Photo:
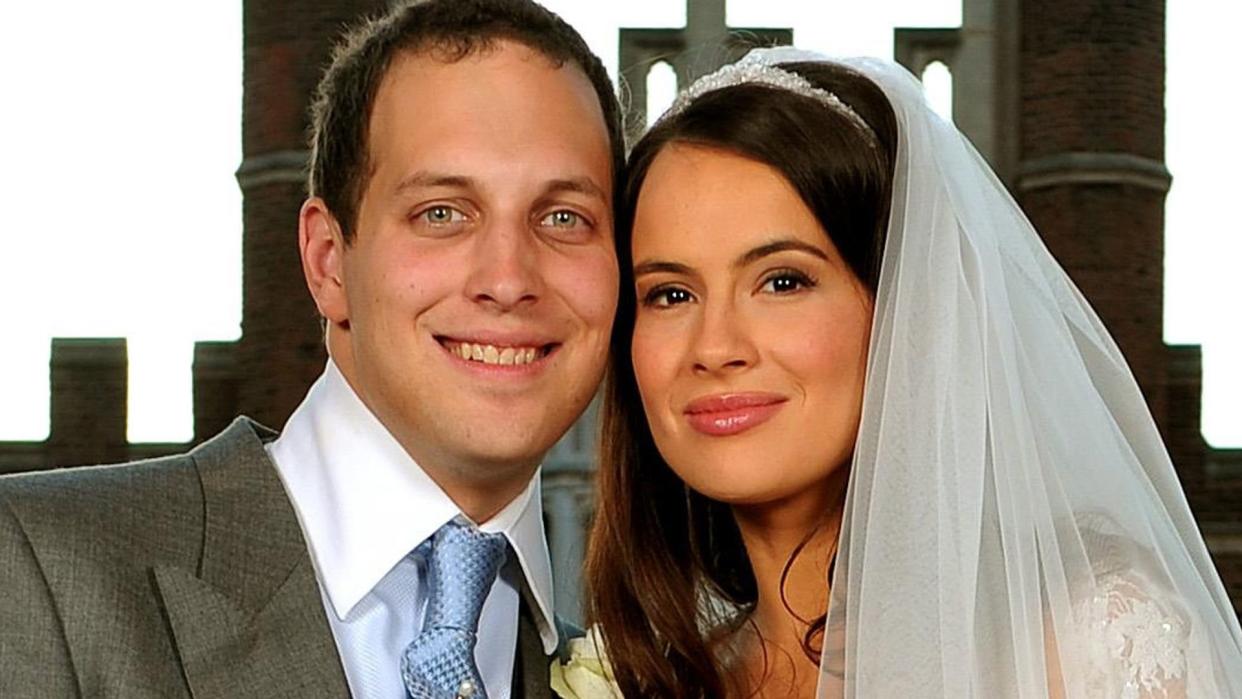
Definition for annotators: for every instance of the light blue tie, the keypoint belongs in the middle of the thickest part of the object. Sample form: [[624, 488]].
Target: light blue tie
[[439, 663]]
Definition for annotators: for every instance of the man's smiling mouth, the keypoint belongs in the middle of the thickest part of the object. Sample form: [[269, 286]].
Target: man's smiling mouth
[[502, 355]]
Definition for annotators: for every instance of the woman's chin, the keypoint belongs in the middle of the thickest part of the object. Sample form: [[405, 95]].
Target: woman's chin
[[729, 480], [743, 488], [768, 485]]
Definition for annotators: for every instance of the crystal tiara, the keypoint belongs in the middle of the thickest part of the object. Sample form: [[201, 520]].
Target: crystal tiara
[[752, 70]]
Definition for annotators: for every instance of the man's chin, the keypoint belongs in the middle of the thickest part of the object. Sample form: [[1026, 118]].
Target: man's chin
[[496, 453]]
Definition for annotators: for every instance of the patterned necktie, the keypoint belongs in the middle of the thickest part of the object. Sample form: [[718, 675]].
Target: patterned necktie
[[439, 664]]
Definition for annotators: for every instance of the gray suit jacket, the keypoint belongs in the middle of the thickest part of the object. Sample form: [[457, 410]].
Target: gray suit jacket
[[178, 577]]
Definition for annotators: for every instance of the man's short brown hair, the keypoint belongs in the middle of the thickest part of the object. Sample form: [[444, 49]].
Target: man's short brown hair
[[450, 30]]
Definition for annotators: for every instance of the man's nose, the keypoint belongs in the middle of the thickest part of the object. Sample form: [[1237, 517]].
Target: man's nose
[[505, 271]]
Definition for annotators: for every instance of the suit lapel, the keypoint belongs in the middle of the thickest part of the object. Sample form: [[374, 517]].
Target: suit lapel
[[250, 621], [531, 668]]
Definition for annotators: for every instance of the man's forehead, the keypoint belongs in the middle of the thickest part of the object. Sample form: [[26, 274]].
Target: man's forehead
[[504, 101], [507, 76], [446, 59], [451, 50]]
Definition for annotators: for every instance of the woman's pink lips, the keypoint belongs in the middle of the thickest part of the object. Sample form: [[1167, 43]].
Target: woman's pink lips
[[733, 413]]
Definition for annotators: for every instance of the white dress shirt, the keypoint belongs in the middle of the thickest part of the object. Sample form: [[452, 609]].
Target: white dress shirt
[[364, 506]]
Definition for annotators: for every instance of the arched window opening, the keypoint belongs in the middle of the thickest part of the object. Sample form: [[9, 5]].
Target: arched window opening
[[661, 90], [938, 84]]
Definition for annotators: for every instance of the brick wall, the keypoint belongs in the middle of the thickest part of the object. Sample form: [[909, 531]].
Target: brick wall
[[264, 375], [1091, 177], [1091, 82], [287, 44], [89, 399], [1230, 567], [1092, 120], [87, 409], [216, 386]]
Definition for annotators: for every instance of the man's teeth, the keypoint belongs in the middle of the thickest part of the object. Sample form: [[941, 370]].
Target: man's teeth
[[491, 354]]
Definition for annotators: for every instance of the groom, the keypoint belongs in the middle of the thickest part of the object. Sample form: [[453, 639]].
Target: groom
[[458, 243]]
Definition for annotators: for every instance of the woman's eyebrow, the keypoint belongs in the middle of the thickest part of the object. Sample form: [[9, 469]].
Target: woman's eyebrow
[[776, 246], [655, 266], [746, 258]]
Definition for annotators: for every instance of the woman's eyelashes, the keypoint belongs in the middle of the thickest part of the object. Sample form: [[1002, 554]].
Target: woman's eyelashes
[[666, 295], [780, 282], [787, 281]]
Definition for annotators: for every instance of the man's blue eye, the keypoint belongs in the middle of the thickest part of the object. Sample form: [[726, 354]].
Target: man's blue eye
[[561, 219], [440, 215]]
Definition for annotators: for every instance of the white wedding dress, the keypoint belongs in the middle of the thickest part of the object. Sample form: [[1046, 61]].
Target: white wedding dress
[[1135, 641]]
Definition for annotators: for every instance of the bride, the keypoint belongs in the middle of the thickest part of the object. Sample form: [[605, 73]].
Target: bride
[[862, 437]]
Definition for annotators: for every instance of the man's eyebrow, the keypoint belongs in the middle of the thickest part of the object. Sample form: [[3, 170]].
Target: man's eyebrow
[[776, 246], [655, 266], [424, 178], [578, 185]]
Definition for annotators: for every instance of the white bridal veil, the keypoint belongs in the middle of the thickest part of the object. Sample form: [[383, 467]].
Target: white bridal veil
[[1013, 525]]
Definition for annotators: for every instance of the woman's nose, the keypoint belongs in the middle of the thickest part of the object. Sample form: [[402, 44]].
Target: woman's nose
[[723, 341]]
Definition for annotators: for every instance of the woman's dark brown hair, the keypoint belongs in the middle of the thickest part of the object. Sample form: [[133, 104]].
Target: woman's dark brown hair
[[660, 552]]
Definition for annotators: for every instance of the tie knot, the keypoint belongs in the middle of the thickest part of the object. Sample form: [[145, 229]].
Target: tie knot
[[463, 565]]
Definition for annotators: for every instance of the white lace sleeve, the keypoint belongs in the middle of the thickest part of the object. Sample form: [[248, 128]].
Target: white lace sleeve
[[1137, 638]]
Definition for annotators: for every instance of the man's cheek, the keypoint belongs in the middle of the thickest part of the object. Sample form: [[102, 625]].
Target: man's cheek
[[596, 291]]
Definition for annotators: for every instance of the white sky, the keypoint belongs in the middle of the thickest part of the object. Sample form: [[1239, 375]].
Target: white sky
[[120, 133]]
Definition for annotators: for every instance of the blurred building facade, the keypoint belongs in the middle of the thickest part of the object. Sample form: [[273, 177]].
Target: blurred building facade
[[1064, 97]]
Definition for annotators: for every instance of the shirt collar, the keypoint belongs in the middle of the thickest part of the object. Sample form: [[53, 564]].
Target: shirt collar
[[364, 503]]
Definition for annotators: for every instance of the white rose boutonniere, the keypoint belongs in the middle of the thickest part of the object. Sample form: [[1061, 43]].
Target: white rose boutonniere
[[587, 675]]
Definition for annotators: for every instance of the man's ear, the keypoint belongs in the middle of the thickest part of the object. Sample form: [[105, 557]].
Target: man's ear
[[322, 245]]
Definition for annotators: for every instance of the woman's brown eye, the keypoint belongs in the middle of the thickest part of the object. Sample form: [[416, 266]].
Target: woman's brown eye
[[787, 282], [667, 296]]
